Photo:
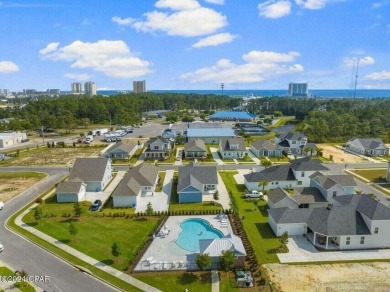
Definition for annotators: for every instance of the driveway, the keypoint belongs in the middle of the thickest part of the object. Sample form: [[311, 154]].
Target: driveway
[[239, 177], [214, 152], [301, 250], [104, 195], [252, 156], [159, 200]]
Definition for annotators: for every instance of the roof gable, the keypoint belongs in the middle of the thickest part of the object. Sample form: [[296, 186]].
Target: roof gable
[[89, 169]]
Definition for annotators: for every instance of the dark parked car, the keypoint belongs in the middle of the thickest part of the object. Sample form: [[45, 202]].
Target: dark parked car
[[96, 205]]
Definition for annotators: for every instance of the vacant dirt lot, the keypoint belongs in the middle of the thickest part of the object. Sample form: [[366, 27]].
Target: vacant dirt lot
[[52, 156], [339, 156], [330, 277], [11, 187]]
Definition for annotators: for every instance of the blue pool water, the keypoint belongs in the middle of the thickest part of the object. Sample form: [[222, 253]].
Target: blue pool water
[[194, 229]]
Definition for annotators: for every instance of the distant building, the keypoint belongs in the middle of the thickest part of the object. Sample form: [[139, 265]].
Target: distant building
[[77, 88], [10, 139], [139, 86], [90, 88], [298, 90], [4, 92], [53, 92], [232, 116]]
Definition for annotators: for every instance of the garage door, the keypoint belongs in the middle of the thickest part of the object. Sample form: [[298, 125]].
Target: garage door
[[190, 197]]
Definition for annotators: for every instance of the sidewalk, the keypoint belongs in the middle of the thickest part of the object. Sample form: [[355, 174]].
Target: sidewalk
[[132, 281], [214, 281]]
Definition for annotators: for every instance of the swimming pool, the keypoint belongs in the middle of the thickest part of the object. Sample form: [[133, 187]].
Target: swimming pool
[[194, 229]]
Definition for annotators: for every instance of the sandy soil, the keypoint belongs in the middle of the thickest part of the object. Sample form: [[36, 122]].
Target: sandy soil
[[332, 277], [339, 156], [9, 188]]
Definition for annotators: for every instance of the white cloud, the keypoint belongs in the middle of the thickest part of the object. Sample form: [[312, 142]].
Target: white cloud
[[258, 66], [215, 40], [78, 76], [113, 58], [351, 62], [380, 4], [383, 75], [123, 21], [178, 5], [311, 4], [185, 18], [275, 9], [87, 21], [218, 2], [7, 67]]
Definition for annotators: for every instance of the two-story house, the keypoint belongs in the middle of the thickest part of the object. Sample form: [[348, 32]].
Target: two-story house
[[158, 148], [293, 142], [334, 185], [139, 181], [196, 182], [232, 147]]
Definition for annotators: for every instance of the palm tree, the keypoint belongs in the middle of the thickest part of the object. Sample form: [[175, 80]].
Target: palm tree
[[306, 151], [263, 183], [266, 163]]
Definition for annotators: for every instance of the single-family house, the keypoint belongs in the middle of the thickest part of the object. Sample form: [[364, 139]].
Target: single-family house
[[264, 148], [71, 192], [215, 247], [293, 142], [138, 181], [94, 172], [295, 174], [334, 185], [158, 148], [307, 197], [232, 147], [196, 181], [367, 146], [195, 149], [122, 150], [209, 135], [352, 222]]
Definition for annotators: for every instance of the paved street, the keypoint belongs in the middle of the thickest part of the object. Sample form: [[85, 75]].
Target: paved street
[[21, 254]]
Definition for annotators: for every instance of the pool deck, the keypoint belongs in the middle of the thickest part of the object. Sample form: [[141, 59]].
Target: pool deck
[[165, 254]]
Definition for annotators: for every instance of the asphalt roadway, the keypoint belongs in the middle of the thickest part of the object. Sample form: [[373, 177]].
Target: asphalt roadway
[[21, 254]]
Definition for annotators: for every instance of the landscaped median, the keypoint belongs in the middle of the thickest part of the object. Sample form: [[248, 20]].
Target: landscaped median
[[87, 238]]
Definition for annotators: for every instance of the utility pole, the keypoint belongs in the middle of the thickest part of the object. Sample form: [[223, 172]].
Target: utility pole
[[222, 87], [43, 136], [356, 77]]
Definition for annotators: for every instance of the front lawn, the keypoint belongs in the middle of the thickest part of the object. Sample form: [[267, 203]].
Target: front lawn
[[255, 222], [177, 281], [374, 175], [279, 159], [137, 155], [96, 233]]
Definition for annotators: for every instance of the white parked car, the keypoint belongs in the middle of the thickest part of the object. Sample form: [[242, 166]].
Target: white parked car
[[1, 205], [1, 247]]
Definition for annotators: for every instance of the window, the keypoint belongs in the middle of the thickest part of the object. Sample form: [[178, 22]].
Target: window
[[376, 230], [156, 147], [299, 183], [303, 174], [362, 240], [334, 193], [348, 241], [293, 142]]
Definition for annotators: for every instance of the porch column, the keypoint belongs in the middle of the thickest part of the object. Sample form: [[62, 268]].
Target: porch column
[[326, 246]]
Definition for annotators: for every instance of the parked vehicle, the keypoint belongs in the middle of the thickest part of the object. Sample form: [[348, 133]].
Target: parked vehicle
[[1, 247], [1, 205], [96, 205], [254, 194], [2, 156], [88, 139], [98, 132]]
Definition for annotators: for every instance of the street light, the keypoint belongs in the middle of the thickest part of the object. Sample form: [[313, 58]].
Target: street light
[[222, 86]]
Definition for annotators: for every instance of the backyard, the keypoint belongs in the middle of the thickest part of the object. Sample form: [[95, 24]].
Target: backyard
[[13, 183], [255, 221], [96, 231]]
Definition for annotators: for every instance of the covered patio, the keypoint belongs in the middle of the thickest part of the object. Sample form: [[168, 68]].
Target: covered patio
[[323, 241]]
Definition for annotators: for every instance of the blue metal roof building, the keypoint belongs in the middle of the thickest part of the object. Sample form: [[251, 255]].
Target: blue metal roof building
[[232, 116], [210, 135]]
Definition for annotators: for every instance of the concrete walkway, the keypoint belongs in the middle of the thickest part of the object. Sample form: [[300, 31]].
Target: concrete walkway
[[252, 156], [179, 154], [301, 250], [214, 152], [102, 266], [214, 281], [223, 195]]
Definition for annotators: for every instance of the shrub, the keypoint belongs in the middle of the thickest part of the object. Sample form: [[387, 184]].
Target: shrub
[[39, 201]]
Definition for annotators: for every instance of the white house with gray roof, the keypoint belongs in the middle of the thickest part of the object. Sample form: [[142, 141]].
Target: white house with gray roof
[[295, 174], [158, 148], [232, 147], [71, 192], [96, 173], [215, 247], [122, 150], [291, 141], [138, 181], [307, 197], [196, 182], [195, 149], [367, 146], [351, 222], [264, 148]]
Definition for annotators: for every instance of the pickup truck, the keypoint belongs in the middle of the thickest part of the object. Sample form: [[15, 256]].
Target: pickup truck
[[253, 194]]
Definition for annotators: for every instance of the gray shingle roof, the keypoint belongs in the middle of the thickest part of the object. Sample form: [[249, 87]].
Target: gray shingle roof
[[287, 215], [373, 209], [195, 145], [88, 169], [142, 175], [307, 164], [274, 173], [369, 143], [328, 181], [292, 136], [276, 195], [69, 187], [226, 142], [158, 139], [190, 172], [126, 147], [308, 195], [259, 144]]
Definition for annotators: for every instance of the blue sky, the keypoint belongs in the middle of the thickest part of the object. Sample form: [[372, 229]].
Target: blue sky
[[194, 44]]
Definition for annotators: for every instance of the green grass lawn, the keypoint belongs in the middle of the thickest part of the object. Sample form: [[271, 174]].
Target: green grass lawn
[[21, 286], [259, 233], [374, 175], [22, 174], [136, 155], [159, 186], [96, 234], [279, 159], [177, 281]]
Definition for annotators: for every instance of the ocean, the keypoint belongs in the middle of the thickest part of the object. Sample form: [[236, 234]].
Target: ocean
[[328, 93]]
